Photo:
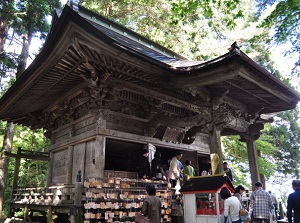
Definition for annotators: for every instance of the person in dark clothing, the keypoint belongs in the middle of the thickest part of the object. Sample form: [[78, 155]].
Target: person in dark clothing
[[228, 171], [144, 166], [293, 203], [152, 205], [157, 171]]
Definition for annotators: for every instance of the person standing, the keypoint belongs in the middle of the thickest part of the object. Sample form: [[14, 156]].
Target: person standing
[[188, 170], [239, 190], [144, 166], [262, 205], [228, 171], [274, 200], [152, 205], [177, 210], [166, 172], [293, 203], [244, 215], [174, 169], [181, 170], [232, 205], [156, 167]]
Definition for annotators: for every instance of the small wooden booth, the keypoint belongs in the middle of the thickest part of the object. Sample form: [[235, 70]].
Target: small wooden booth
[[201, 197]]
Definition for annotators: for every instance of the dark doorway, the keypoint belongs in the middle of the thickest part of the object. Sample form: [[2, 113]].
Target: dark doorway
[[204, 163], [122, 155]]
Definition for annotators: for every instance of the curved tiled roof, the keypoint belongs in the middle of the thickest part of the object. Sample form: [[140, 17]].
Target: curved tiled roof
[[211, 183]]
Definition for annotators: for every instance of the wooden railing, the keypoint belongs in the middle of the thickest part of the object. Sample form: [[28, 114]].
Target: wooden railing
[[53, 195]]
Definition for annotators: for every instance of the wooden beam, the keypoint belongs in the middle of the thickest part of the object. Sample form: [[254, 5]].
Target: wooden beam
[[27, 156], [155, 94], [212, 76], [262, 82]]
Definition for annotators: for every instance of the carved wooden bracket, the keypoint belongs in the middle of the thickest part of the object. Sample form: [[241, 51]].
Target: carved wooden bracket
[[175, 122], [174, 135], [217, 98], [101, 116], [199, 92], [253, 132]]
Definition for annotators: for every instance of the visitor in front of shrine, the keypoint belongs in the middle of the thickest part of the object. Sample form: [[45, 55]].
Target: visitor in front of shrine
[[177, 210], [181, 170], [232, 206], [144, 166], [188, 170], [152, 205], [157, 171], [239, 190], [244, 215], [275, 203], [166, 172], [293, 203], [261, 204], [228, 171], [174, 169]]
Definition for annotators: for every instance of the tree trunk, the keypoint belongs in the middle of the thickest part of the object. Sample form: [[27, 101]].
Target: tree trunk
[[4, 162], [7, 142], [24, 54], [3, 33], [10, 127]]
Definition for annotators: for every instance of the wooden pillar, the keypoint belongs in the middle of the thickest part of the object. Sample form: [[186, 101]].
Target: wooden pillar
[[78, 213], [215, 150], [78, 217], [100, 155], [49, 215], [78, 193], [11, 213], [250, 137], [25, 213], [100, 143], [262, 177], [50, 170], [253, 161], [70, 164]]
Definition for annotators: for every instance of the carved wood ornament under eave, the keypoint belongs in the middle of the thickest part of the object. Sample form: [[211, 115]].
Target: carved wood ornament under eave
[[104, 91]]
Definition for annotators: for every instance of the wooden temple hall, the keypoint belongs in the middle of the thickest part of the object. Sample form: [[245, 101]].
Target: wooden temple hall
[[103, 93]]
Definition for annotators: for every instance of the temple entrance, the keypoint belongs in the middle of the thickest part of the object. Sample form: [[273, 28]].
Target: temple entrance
[[124, 156]]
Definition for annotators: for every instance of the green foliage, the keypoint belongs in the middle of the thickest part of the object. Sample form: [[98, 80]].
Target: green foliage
[[32, 173], [285, 135], [187, 10], [2, 130], [284, 21], [8, 63], [7, 11], [278, 146], [23, 18], [235, 153], [32, 16], [199, 30]]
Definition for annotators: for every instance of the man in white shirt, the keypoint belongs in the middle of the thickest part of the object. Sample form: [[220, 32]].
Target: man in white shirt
[[174, 169]]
